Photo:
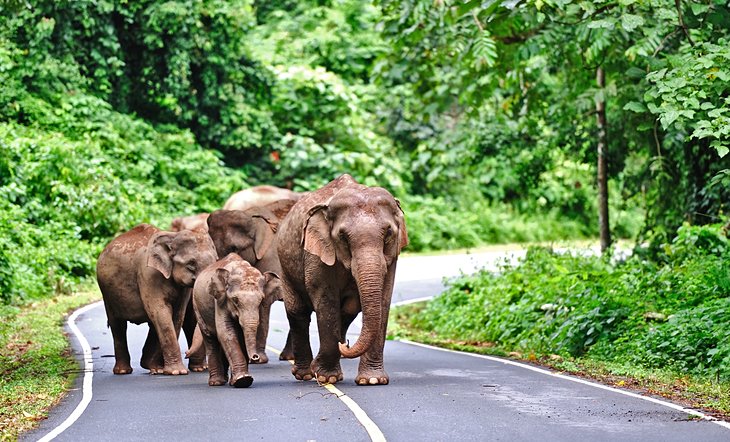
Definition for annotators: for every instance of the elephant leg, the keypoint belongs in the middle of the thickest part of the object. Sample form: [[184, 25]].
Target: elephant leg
[[197, 353], [161, 315], [217, 366], [371, 370], [287, 353], [193, 336], [151, 354], [326, 366], [299, 316], [231, 340], [122, 363]]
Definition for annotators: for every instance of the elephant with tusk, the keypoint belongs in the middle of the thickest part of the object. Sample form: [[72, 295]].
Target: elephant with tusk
[[338, 250]]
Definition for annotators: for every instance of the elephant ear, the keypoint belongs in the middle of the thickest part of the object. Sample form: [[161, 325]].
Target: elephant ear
[[159, 253], [219, 284], [272, 287], [317, 239], [264, 232], [402, 233]]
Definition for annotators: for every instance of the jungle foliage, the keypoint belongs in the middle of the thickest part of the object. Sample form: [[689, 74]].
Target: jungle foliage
[[671, 313], [479, 116]]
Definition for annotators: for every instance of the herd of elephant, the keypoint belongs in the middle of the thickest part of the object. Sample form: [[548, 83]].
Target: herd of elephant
[[332, 251]]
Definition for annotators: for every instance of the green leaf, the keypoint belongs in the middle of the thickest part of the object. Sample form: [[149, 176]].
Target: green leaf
[[630, 22], [698, 8], [722, 148], [605, 23], [668, 118], [635, 106]]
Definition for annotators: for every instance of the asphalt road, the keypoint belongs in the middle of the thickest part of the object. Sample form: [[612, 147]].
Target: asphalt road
[[433, 395]]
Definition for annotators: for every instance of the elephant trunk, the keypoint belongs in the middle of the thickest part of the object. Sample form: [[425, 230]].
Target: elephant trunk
[[249, 325], [369, 270]]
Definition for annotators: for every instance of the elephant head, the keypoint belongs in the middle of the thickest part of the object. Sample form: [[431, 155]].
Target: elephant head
[[249, 233], [180, 255], [239, 292], [363, 229]]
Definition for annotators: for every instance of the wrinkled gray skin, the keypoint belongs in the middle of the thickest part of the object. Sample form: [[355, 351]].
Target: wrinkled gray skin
[[258, 196], [338, 249], [145, 275], [228, 299], [252, 235]]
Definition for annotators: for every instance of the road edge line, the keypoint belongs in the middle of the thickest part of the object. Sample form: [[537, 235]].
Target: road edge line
[[370, 426], [87, 391], [578, 380]]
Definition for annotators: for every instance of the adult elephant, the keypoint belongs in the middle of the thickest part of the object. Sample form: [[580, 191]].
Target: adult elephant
[[145, 275], [338, 249], [257, 196], [252, 234]]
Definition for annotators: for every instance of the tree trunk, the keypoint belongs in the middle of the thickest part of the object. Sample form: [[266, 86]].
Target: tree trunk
[[602, 176]]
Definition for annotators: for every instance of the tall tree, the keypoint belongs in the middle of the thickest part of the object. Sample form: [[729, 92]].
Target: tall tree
[[541, 59]]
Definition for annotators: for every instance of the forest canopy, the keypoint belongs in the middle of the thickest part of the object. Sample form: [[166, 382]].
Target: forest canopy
[[482, 117]]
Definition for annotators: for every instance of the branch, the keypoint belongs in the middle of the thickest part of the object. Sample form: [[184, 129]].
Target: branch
[[520, 38], [677, 4], [476, 20], [664, 42]]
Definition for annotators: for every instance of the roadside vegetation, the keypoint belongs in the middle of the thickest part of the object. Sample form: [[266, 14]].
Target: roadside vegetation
[[36, 366], [488, 121], [660, 323]]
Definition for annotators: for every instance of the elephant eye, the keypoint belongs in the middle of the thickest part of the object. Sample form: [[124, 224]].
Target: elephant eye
[[191, 267], [388, 232]]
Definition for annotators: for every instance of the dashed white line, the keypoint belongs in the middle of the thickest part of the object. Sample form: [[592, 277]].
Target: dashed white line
[[88, 375], [373, 431]]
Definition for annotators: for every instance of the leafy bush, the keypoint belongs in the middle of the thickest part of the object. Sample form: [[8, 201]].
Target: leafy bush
[[436, 223], [588, 305]]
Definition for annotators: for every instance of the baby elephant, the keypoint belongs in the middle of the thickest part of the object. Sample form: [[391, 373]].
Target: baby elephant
[[145, 275], [228, 298]]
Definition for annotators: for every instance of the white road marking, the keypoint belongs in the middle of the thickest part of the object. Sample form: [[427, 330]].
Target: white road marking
[[373, 431], [580, 381], [88, 375]]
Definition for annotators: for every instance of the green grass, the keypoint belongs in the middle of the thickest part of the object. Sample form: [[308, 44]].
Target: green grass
[[37, 367]]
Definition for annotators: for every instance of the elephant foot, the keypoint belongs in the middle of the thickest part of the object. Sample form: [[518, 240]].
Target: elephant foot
[[243, 380], [302, 374], [331, 379], [372, 377], [287, 354], [215, 381], [197, 365], [153, 364], [175, 369], [122, 368], [327, 376], [154, 368]]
